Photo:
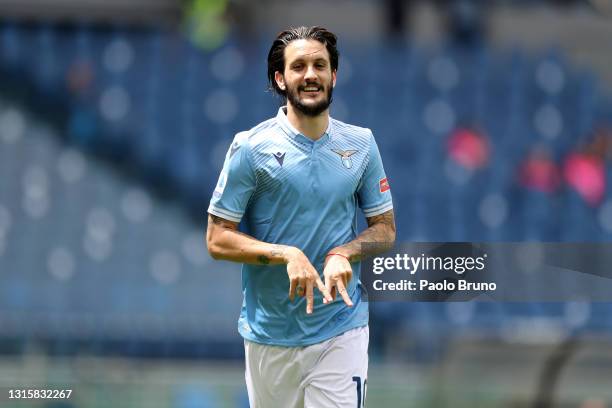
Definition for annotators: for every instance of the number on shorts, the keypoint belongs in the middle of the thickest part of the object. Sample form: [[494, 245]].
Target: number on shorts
[[360, 401]]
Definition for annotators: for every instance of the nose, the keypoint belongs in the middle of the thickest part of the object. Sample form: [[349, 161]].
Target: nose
[[310, 73]]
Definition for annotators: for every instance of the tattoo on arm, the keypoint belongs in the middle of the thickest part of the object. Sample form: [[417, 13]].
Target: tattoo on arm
[[386, 218], [279, 250], [247, 247], [381, 229]]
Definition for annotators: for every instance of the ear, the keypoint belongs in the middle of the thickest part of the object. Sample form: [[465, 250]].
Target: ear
[[280, 80], [334, 79]]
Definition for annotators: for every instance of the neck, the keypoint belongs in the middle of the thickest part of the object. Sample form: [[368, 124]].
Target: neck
[[313, 127]]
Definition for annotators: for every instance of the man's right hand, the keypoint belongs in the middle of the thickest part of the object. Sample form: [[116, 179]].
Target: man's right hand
[[303, 277]]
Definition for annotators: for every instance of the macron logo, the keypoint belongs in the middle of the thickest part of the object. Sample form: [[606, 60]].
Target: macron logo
[[280, 157]]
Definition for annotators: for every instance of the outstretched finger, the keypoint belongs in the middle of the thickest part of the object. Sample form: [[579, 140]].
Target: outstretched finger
[[343, 292], [346, 278], [330, 287], [309, 297], [326, 296], [300, 289], [292, 286]]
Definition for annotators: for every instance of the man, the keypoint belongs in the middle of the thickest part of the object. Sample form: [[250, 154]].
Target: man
[[296, 181]]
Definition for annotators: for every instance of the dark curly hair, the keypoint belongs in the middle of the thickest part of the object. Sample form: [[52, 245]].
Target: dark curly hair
[[276, 56]]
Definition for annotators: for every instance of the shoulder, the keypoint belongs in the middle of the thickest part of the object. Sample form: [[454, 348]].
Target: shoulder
[[257, 134], [357, 135]]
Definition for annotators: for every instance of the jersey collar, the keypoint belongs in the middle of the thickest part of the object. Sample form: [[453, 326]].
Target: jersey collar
[[292, 132]]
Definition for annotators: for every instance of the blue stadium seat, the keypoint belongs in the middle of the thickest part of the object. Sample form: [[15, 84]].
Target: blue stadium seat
[[168, 111]]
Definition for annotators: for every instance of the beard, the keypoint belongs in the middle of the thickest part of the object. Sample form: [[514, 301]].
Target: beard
[[293, 96]]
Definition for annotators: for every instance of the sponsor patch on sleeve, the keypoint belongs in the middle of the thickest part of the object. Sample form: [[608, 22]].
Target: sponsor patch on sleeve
[[384, 185]]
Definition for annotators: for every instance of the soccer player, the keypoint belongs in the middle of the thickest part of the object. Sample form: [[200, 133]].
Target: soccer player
[[296, 181]]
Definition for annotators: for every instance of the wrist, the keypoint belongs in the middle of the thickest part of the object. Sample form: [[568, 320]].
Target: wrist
[[337, 253], [291, 253]]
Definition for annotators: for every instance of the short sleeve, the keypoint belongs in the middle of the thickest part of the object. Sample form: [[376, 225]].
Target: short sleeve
[[374, 192], [236, 182]]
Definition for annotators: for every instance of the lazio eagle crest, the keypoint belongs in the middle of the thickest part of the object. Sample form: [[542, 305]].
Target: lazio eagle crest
[[345, 156]]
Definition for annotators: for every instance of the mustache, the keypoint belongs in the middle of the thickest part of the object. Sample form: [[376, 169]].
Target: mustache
[[308, 85]]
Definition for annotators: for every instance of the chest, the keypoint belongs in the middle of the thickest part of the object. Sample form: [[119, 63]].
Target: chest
[[330, 171]]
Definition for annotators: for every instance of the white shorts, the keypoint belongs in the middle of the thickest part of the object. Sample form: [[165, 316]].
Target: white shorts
[[331, 374]]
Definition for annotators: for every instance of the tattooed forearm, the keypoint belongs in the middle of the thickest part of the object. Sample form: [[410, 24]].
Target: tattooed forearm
[[224, 241], [386, 218], [279, 250], [381, 230]]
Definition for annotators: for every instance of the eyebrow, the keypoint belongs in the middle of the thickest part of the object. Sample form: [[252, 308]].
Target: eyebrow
[[301, 59]]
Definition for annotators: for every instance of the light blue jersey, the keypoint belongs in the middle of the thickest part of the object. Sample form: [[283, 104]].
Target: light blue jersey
[[294, 191]]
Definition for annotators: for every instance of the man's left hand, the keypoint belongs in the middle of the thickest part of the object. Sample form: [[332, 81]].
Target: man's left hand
[[338, 273]]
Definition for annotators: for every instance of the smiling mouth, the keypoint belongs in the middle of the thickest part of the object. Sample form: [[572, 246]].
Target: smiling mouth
[[310, 89]]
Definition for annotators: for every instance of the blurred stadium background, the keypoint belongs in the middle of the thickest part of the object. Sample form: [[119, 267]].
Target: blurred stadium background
[[494, 119]]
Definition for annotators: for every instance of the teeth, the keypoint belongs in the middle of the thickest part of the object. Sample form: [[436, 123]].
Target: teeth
[[311, 89]]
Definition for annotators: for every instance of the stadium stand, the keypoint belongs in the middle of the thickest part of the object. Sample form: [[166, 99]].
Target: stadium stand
[[154, 116]]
